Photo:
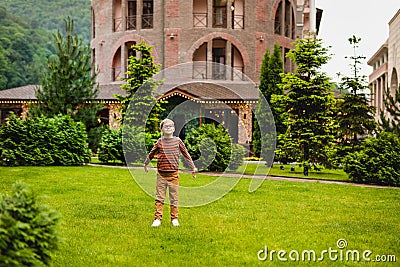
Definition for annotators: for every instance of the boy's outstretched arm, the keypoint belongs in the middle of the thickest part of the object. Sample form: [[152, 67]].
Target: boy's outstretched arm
[[194, 171]]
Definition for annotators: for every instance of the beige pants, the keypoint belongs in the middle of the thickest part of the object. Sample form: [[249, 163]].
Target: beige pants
[[167, 180]]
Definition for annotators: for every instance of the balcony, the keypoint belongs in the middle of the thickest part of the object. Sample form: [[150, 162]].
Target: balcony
[[147, 21], [200, 20], [238, 73], [131, 22], [117, 26], [199, 70], [204, 70], [116, 74], [238, 22]]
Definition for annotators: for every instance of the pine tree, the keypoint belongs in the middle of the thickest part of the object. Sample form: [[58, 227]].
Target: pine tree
[[140, 108], [70, 81], [391, 123], [271, 69], [356, 116], [139, 87], [309, 105]]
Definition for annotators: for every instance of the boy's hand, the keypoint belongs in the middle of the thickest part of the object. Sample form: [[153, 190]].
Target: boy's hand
[[194, 172]]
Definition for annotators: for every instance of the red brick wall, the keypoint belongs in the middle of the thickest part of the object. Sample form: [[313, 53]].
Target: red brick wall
[[172, 8], [261, 14], [171, 47]]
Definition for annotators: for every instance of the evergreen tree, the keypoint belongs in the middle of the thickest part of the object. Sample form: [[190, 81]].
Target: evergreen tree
[[391, 123], [270, 77], [141, 120], [356, 116], [69, 82], [309, 105], [141, 69]]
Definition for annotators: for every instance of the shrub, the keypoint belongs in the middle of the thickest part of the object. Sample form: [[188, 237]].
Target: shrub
[[238, 153], [377, 162], [125, 144], [27, 230], [211, 148], [43, 141], [110, 147]]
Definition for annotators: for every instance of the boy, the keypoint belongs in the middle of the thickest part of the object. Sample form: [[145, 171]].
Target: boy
[[169, 148]]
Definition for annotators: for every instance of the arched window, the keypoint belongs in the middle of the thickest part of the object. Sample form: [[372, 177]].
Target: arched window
[[278, 19], [116, 66], [223, 53], [394, 83], [285, 20]]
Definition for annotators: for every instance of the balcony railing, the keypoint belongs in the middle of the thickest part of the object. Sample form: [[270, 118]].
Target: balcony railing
[[116, 74], [201, 70], [219, 72], [200, 20], [238, 73], [131, 22], [238, 22], [147, 21], [117, 27]]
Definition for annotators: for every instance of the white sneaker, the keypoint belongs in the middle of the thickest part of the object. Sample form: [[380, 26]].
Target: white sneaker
[[156, 223], [175, 222]]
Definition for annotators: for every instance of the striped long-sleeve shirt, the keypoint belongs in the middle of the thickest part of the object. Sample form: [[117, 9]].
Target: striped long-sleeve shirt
[[169, 150]]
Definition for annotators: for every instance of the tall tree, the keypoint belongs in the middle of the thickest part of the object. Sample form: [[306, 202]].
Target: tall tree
[[309, 104], [355, 116], [270, 77], [141, 68], [390, 117], [69, 81]]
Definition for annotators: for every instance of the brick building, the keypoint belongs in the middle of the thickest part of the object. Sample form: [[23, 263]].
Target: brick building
[[235, 33], [232, 32]]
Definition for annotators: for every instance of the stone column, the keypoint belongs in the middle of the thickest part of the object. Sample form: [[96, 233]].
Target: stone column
[[229, 14], [228, 60], [210, 15], [123, 14], [124, 59], [209, 59], [139, 7]]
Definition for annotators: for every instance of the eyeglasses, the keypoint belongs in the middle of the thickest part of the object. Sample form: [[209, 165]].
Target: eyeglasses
[[168, 126]]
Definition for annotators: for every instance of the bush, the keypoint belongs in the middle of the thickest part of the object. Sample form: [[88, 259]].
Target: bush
[[238, 153], [377, 162], [110, 147], [43, 141], [125, 144], [211, 148], [27, 229]]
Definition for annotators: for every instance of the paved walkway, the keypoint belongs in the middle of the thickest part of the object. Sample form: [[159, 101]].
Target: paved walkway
[[264, 177]]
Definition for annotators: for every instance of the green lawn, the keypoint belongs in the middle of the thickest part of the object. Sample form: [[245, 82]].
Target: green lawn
[[106, 220], [254, 167], [323, 174]]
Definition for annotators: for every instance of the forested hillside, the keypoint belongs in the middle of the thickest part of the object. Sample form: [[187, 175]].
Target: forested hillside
[[50, 15], [26, 41]]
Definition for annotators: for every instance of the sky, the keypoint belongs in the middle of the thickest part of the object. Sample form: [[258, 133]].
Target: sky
[[341, 19]]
